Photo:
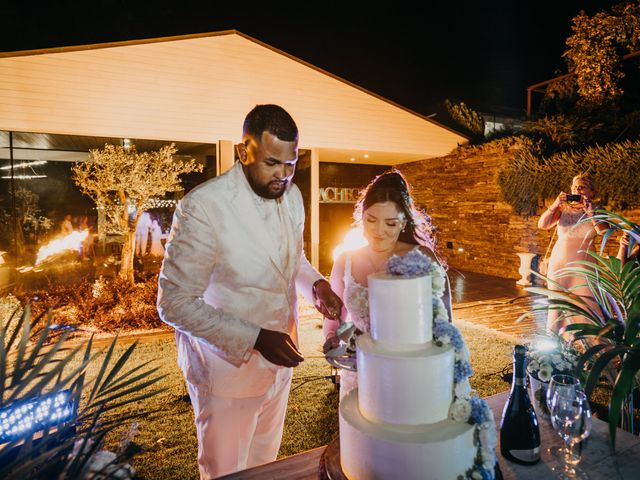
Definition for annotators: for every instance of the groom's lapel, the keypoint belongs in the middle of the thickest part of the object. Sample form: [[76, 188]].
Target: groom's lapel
[[292, 230], [249, 219]]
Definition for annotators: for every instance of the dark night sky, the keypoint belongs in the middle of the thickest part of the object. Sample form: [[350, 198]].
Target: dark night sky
[[482, 52]]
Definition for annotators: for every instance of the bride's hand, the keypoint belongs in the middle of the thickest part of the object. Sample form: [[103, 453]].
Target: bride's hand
[[330, 343], [326, 301]]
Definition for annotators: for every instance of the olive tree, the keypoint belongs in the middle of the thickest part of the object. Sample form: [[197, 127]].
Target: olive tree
[[122, 181]]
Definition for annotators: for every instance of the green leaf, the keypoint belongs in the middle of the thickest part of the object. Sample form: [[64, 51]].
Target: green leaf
[[31, 370], [633, 324], [122, 384], [37, 387], [587, 329], [118, 365], [103, 368], [589, 354], [600, 364], [129, 391], [135, 399], [26, 313], [22, 344], [605, 237], [623, 387]]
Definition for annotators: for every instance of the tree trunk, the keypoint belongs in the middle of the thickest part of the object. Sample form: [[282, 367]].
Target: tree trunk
[[128, 249], [20, 248]]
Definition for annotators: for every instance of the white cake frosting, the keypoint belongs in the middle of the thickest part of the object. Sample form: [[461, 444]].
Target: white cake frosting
[[377, 451], [397, 423], [393, 385], [400, 310]]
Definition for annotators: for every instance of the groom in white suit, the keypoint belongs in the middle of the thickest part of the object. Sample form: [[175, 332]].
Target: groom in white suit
[[228, 286]]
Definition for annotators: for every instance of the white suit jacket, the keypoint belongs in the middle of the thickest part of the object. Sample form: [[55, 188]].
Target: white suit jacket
[[221, 282]]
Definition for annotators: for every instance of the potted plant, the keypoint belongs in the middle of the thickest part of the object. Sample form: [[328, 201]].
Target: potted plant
[[547, 355], [609, 328], [54, 417]]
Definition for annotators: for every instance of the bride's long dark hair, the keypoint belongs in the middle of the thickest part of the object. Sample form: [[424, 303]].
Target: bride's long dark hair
[[392, 186]]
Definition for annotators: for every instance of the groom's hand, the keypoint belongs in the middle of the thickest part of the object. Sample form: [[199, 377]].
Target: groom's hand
[[278, 348]]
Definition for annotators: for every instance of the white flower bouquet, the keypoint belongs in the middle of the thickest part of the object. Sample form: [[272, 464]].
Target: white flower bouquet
[[548, 355]]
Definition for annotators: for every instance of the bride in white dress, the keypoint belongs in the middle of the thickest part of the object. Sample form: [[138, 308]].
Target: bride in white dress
[[392, 226]]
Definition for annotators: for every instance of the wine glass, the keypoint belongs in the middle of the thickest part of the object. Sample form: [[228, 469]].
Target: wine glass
[[567, 385], [571, 420]]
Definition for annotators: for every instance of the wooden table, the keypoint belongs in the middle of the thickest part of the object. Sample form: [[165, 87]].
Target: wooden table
[[597, 459]]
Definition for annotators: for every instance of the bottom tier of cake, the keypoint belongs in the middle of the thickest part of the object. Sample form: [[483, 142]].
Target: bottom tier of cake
[[439, 451]]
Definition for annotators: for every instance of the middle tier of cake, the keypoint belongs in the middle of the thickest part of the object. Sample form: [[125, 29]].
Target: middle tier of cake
[[404, 386]]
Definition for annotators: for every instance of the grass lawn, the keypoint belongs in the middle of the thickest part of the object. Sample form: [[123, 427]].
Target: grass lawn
[[168, 440]]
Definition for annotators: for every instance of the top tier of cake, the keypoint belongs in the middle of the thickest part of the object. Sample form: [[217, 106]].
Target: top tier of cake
[[400, 310]]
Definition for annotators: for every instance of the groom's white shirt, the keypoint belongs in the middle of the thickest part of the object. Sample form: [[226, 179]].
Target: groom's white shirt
[[223, 279]]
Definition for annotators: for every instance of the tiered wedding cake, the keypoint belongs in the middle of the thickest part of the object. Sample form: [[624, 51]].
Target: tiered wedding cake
[[412, 415]]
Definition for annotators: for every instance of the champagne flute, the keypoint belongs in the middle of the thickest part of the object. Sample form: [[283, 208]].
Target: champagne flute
[[571, 420], [567, 385]]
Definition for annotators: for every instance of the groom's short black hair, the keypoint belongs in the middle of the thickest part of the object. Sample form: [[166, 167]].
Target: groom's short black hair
[[273, 119]]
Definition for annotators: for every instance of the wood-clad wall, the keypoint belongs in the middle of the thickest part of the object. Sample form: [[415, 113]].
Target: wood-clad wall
[[200, 89]]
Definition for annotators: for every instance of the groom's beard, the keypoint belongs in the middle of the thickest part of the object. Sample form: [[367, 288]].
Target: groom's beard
[[272, 190]]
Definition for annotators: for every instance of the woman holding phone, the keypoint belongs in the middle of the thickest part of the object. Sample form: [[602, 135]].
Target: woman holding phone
[[574, 241]]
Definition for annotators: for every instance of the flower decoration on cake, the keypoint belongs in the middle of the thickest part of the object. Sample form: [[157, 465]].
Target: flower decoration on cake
[[465, 408], [486, 437], [416, 264], [413, 264]]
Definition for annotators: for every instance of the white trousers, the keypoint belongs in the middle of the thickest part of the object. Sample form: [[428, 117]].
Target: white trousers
[[239, 433]]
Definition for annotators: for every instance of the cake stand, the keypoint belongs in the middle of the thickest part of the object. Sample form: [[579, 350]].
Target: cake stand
[[330, 468]]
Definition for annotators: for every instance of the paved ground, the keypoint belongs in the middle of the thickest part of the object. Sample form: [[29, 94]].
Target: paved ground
[[495, 303]]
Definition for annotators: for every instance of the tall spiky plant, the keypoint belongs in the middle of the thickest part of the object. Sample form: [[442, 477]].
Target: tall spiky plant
[[35, 364], [611, 326]]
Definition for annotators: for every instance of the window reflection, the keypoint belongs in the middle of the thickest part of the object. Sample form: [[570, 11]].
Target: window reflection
[[43, 213]]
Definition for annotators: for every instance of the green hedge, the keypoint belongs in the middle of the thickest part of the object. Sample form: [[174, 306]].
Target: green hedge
[[531, 177]]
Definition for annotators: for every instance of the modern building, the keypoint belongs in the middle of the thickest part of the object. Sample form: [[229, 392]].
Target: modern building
[[195, 90]]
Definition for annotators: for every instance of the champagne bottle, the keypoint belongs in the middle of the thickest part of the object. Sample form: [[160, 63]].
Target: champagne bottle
[[519, 431]]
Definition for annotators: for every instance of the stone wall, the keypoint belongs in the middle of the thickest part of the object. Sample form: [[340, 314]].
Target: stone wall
[[476, 231]]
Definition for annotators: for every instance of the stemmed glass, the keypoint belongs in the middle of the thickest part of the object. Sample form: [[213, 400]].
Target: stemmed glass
[[567, 386], [571, 419]]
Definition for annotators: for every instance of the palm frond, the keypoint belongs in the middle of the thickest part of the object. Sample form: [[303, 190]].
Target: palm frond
[[611, 328], [29, 367]]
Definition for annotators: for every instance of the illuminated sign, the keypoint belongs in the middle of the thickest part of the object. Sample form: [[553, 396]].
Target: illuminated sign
[[339, 195]]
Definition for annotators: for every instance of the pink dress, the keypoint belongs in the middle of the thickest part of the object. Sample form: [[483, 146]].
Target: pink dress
[[356, 300], [571, 245]]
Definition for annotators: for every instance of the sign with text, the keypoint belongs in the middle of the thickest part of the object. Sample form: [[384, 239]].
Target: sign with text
[[338, 195]]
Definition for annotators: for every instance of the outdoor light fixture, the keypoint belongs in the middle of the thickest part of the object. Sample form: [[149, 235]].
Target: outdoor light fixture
[[160, 203], [23, 177], [25, 165], [25, 417]]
